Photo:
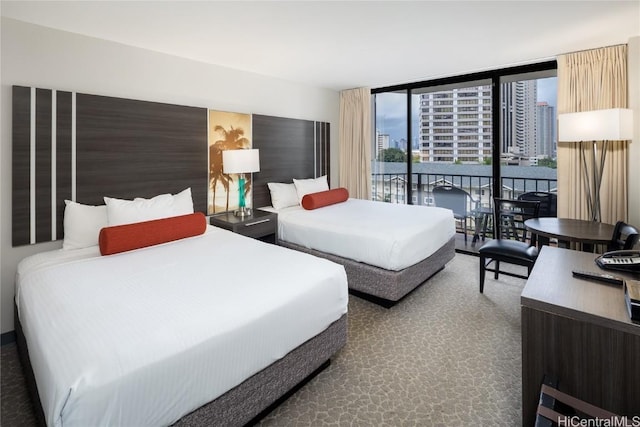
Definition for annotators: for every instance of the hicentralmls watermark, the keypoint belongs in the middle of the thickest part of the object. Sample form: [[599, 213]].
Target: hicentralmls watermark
[[575, 421]]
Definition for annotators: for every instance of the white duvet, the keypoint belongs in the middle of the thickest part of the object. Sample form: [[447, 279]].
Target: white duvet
[[389, 236], [145, 337]]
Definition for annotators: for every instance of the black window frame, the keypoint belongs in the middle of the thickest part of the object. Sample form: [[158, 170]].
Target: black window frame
[[495, 77]]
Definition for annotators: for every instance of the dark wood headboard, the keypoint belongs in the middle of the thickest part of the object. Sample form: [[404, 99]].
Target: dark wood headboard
[[81, 147], [289, 148], [165, 148], [122, 148]]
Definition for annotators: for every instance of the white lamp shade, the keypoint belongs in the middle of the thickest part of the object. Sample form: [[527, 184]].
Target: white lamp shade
[[241, 161], [614, 124]]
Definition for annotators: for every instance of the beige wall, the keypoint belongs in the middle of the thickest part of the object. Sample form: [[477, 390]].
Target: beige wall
[[37, 56]]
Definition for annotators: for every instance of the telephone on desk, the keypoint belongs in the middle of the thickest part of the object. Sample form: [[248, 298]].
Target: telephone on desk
[[628, 261]]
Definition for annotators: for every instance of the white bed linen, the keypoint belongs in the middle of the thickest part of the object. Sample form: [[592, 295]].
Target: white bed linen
[[147, 336], [389, 236]]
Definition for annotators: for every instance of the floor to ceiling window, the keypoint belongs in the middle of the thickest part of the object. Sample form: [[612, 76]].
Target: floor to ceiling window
[[528, 137], [455, 134], [490, 133], [391, 146]]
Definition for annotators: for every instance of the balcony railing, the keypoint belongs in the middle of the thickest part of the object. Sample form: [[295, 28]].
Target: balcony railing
[[391, 187]]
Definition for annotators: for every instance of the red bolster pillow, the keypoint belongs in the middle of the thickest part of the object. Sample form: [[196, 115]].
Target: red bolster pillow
[[127, 237], [325, 198]]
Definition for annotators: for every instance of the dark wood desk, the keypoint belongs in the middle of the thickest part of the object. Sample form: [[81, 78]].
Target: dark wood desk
[[580, 332], [566, 230]]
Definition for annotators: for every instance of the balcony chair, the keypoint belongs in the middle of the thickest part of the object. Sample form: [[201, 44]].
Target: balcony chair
[[513, 243], [457, 200], [624, 237], [548, 202], [548, 207]]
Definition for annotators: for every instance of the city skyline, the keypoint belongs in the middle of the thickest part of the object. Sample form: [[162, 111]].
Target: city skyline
[[391, 112]]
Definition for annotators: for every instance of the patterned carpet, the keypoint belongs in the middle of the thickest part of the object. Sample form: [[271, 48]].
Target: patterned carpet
[[444, 356]]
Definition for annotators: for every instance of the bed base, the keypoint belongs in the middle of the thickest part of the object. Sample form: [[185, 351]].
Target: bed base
[[251, 400], [23, 354], [385, 287]]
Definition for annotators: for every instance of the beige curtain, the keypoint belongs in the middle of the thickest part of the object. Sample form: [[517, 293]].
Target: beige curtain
[[592, 80], [355, 142]]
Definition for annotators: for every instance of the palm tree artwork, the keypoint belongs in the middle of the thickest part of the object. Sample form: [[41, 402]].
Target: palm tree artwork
[[228, 137]]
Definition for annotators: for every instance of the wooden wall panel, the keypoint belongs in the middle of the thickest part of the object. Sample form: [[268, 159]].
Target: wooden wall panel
[[123, 148], [286, 152], [43, 165], [20, 174], [63, 157], [323, 157], [289, 148], [128, 148]]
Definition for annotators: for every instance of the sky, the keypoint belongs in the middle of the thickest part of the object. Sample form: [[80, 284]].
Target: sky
[[391, 107]]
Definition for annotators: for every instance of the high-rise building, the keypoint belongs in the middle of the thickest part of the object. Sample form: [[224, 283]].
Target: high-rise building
[[545, 130], [382, 142], [518, 128], [526, 98], [455, 125]]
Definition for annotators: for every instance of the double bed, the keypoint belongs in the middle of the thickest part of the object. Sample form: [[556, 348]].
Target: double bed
[[178, 332], [210, 329], [387, 249]]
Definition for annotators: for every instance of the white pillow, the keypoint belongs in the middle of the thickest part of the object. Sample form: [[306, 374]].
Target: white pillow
[[82, 224], [312, 185], [183, 202], [121, 211], [283, 195]]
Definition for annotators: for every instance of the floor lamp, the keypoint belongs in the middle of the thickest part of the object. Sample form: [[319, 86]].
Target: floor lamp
[[614, 124], [241, 161]]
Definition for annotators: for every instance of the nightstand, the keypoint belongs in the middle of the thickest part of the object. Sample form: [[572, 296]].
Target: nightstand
[[260, 225]]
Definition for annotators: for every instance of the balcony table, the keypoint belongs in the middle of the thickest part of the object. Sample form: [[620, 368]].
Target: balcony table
[[482, 218]]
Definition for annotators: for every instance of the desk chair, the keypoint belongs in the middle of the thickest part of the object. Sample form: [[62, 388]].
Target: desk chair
[[457, 200], [555, 408], [624, 237], [513, 243]]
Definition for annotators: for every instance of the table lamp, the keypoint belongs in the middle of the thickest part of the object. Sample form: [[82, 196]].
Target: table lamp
[[614, 124], [241, 161]]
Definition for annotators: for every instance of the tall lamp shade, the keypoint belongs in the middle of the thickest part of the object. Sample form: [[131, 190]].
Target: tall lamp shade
[[613, 124], [241, 161]]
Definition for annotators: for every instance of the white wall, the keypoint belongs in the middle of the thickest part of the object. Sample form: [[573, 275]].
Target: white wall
[[37, 56]]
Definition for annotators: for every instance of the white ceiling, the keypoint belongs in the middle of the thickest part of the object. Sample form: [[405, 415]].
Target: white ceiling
[[345, 44]]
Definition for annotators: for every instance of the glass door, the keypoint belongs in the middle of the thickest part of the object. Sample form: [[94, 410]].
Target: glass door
[[528, 138], [489, 134], [391, 146]]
